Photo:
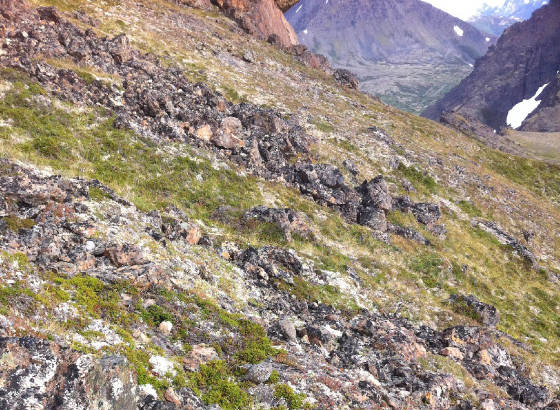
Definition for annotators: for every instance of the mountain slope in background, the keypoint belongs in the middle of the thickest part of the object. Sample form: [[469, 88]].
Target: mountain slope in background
[[498, 18], [524, 59], [406, 52]]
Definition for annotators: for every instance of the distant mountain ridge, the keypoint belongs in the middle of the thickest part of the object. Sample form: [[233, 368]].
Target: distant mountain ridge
[[524, 59], [496, 19], [407, 52]]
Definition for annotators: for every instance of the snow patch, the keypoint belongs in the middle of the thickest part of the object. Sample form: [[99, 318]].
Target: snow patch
[[459, 31], [521, 111]]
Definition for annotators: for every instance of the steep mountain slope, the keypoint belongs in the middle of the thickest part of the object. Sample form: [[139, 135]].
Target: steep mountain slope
[[546, 118], [497, 19], [524, 59], [406, 52], [190, 218]]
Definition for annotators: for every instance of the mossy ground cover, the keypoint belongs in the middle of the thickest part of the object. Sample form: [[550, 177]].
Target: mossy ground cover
[[86, 143], [216, 382], [399, 272]]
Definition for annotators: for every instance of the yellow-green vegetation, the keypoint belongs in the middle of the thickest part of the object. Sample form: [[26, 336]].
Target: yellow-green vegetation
[[430, 266], [326, 294], [461, 306], [517, 193], [323, 126], [214, 384], [469, 208], [421, 181], [13, 223], [97, 194], [85, 143], [88, 144], [540, 177], [293, 400]]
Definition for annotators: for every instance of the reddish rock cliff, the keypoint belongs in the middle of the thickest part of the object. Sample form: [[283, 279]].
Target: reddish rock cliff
[[261, 18]]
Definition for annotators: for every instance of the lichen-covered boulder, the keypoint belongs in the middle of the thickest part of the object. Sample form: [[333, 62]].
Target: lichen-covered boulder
[[38, 374]]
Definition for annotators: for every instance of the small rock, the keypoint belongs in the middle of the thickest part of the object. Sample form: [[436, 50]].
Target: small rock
[[204, 133], [288, 329], [90, 246], [125, 255], [165, 327], [147, 390], [259, 373], [172, 397], [249, 57], [193, 234], [162, 366], [199, 354], [487, 404], [227, 135], [350, 166], [426, 213], [452, 352]]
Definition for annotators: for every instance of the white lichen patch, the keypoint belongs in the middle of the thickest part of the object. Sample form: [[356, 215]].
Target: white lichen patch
[[162, 366]]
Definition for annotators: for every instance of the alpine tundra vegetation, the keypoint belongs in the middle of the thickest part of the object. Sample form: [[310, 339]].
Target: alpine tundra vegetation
[[196, 213]]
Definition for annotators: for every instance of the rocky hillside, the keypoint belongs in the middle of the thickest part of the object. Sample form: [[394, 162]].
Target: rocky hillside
[[496, 19], [410, 57], [524, 59], [192, 218]]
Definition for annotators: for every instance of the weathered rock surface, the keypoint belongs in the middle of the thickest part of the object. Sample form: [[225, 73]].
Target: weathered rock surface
[[486, 314], [346, 78], [286, 219], [284, 5], [261, 18], [37, 374], [149, 272]]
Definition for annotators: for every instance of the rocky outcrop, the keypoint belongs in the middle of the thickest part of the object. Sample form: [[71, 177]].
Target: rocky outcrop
[[524, 59], [39, 374], [507, 239], [285, 5], [310, 59], [470, 306], [369, 357], [287, 220], [261, 18], [479, 131], [346, 78], [277, 323]]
